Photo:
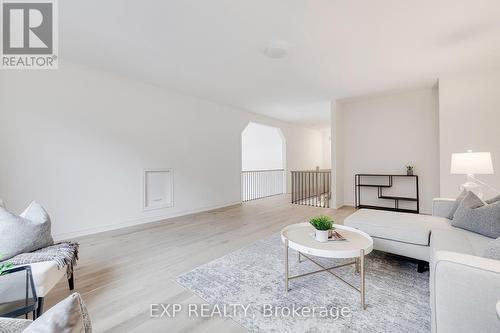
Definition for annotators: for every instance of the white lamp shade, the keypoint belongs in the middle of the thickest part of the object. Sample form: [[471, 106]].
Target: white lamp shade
[[471, 163]]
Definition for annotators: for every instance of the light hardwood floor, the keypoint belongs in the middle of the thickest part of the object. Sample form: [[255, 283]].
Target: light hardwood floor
[[121, 272]]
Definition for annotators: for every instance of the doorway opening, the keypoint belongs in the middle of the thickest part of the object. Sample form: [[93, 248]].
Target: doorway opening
[[263, 159]]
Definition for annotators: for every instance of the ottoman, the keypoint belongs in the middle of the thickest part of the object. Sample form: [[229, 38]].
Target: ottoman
[[403, 234]]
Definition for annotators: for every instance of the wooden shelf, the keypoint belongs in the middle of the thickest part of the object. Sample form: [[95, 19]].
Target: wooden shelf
[[383, 175], [397, 198], [373, 185], [391, 209]]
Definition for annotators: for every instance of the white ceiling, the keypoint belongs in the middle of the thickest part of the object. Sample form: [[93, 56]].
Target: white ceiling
[[338, 48]]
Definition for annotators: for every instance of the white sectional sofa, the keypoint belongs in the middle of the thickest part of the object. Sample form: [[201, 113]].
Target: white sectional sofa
[[464, 286]]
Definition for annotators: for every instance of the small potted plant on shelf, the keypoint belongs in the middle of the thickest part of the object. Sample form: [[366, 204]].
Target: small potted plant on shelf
[[4, 267], [323, 225], [409, 169]]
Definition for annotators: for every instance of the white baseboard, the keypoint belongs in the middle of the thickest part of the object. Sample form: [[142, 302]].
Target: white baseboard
[[348, 203], [135, 222]]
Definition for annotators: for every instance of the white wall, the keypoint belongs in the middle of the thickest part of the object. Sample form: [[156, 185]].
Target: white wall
[[381, 134], [262, 148], [77, 140], [469, 118], [337, 148], [327, 149]]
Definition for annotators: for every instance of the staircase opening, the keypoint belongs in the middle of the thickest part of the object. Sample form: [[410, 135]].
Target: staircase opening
[[312, 187]]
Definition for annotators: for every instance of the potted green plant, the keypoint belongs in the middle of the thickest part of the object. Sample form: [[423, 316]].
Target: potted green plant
[[323, 226], [409, 169], [4, 266]]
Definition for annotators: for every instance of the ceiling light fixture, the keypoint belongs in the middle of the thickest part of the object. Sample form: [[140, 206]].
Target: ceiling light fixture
[[276, 49]]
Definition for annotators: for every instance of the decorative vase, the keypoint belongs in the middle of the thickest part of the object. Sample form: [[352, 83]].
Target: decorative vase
[[409, 172], [322, 235]]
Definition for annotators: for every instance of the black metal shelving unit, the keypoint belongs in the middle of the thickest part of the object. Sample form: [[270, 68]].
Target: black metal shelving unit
[[390, 178]]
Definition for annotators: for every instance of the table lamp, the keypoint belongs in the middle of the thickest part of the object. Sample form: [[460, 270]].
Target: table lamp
[[471, 164]]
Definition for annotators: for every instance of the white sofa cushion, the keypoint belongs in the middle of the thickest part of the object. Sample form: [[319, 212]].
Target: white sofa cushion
[[492, 250], [442, 207], [401, 227], [419, 252], [458, 240], [46, 275]]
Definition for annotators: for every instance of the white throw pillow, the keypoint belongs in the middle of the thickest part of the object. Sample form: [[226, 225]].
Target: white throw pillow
[[25, 233], [35, 213], [68, 316], [2, 203]]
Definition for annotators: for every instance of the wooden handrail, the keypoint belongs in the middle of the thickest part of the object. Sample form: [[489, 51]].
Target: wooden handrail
[[264, 170]]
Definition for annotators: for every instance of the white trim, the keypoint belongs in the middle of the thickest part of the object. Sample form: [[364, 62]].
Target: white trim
[[340, 205], [145, 206], [135, 222]]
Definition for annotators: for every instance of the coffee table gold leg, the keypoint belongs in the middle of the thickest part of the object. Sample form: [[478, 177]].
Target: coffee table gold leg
[[362, 275], [299, 256], [356, 265], [286, 265]]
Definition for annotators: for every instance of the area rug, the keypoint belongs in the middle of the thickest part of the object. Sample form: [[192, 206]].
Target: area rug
[[397, 296]]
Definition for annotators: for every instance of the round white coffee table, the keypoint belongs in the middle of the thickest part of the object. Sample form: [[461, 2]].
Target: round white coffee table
[[300, 237]]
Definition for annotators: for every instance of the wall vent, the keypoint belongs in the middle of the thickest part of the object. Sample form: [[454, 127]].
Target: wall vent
[[158, 188]]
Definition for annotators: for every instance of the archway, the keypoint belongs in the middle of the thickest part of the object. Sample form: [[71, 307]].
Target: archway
[[263, 161]]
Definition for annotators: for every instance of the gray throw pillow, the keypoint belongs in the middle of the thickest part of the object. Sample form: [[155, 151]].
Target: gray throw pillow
[[492, 251], [25, 233], [459, 199], [68, 316], [474, 216], [492, 200]]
